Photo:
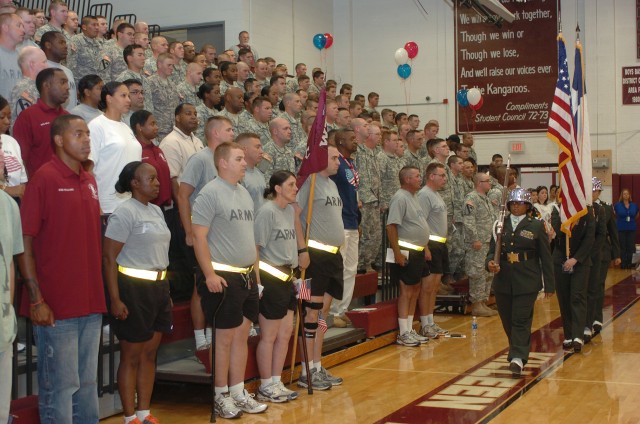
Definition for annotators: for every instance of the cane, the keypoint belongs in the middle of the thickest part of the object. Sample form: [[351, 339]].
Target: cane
[[213, 358]]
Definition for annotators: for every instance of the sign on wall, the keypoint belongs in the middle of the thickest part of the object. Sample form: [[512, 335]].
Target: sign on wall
[[631, 85], [514, 67]]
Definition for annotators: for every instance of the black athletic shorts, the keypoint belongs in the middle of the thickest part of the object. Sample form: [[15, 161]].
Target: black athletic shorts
[[240, 300], [149, 306], [325, 271], [412, 272], [278, 297], [439, 263]]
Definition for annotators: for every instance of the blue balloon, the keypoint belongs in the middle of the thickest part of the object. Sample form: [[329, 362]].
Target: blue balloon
[[319, 40], [404, 71], [461, 96]]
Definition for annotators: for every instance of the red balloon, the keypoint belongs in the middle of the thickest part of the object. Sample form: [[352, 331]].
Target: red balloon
[[329, 38], [478, 105], [411, 48]]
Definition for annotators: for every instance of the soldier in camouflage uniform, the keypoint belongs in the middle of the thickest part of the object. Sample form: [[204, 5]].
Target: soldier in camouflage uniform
[[258, 121], [188, 88], [115, 53], [31, 60], [390, 165], [85, 56], [229, 73], [369, 194], [455, 237], [468, 171], [164, 95], [441, 153], [58, 13], [134, 58], [292, 108], [209, 96], [176, 48], [467, 140], [279, 154], [233, 106], [159, 45], [478, 218], [411, 154]]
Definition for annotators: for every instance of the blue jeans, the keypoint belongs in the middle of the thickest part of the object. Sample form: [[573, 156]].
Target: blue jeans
[[67, 370]]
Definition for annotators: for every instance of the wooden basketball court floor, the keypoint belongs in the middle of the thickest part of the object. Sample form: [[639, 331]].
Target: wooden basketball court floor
[[466, 380]]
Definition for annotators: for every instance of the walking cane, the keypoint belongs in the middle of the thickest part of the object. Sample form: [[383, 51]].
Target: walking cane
[[213, 358]]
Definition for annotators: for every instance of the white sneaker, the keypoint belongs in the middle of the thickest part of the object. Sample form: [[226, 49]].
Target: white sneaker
[[291, 394], [439, 330], [226, 407], [271, 393], [406, 339], [248, 404], [418, 337]]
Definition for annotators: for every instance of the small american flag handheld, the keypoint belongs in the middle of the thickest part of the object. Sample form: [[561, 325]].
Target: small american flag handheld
[[303, 289]]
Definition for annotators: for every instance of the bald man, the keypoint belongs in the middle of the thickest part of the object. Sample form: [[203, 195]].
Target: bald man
[[159, 45], [188, 88], [279, 151], [31, 60], [11, 35]]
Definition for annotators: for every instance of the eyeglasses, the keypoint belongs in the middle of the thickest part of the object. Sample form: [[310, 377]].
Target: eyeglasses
[[485, 181]]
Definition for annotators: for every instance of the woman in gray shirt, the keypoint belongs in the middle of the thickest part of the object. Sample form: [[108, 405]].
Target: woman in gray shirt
[[279, 243], [135, 258]]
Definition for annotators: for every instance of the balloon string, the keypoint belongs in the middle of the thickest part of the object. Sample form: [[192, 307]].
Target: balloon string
[[466, 118], [410, 78], [473, 118]]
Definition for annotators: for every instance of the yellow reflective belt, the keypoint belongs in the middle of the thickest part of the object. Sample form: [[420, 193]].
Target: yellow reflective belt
[[273, 271], [411, 246], [438, 238], [143, 274], [321, 246], [229, 268]]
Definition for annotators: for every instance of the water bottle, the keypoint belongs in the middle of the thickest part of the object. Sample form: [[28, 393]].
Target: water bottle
[[474, 327]]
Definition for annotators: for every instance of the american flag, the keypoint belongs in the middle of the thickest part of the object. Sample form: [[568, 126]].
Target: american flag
[[322, 324], [303, 288], [581, 120], [561, 131]]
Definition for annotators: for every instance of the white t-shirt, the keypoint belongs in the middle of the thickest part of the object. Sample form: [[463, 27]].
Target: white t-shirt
[[113, 145], [17, 174]]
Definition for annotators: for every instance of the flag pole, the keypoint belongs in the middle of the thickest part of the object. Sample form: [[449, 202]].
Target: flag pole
[[305, 354]]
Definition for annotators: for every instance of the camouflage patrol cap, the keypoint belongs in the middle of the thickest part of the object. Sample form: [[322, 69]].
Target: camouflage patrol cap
[[597, 184], [519, 195]]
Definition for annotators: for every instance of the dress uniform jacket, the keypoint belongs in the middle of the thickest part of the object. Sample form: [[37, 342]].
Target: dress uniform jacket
[[525, 252]]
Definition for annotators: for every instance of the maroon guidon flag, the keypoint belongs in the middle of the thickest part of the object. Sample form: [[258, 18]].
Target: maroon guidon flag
[[316, 157]]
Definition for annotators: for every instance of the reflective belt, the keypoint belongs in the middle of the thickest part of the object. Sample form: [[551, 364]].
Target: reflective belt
[[143, 274], [411, 246], [230, 268], [321, 246], [438, 238], [270, 269]]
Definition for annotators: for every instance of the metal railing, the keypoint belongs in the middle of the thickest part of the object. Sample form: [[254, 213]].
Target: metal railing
[[102, 9], [154, 30], [129, 18]]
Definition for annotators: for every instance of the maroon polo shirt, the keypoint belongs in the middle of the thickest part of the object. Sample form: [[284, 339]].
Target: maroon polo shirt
[[32, 129], [61, 211], [152, 155]]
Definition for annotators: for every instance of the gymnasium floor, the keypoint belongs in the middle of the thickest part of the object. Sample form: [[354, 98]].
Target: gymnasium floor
[[466, 380]]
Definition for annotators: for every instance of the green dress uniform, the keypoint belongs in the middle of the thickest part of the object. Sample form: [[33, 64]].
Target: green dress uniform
[[572, 287], [524, 260]]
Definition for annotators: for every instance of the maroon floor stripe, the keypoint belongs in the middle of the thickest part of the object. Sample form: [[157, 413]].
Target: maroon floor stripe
[[483, 391]]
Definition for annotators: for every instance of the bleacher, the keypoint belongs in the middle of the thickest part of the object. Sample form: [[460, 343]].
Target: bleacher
[[374, 317]]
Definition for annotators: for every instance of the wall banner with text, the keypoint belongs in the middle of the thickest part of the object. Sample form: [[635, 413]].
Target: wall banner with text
[[631, 85], [514, 67]]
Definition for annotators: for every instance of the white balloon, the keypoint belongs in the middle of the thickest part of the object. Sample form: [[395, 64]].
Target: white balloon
[[473, 96], [401, 56]]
